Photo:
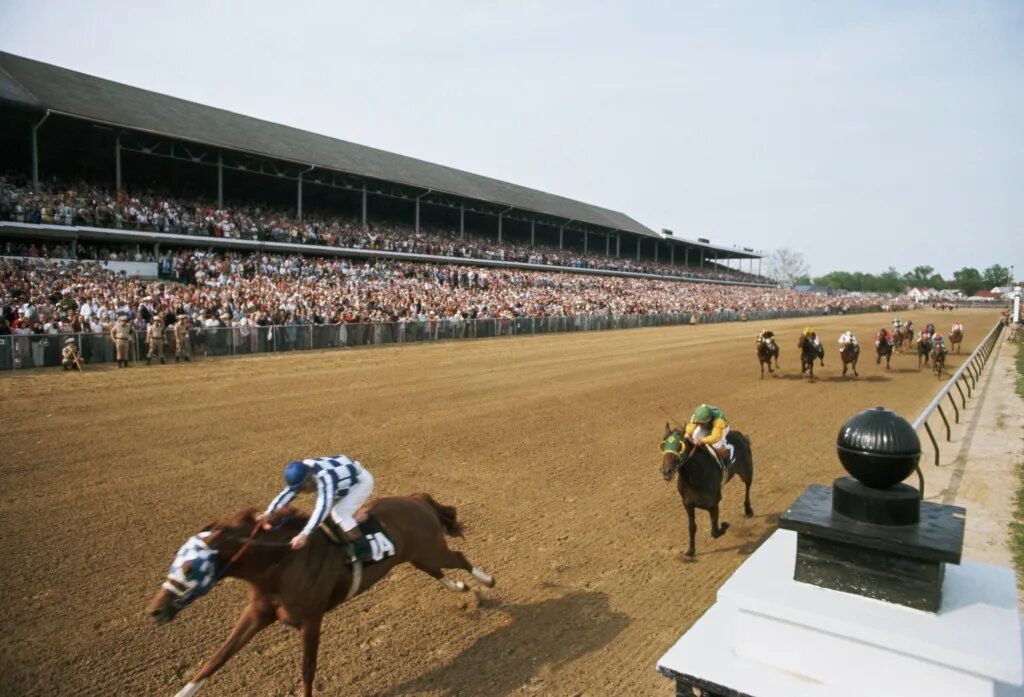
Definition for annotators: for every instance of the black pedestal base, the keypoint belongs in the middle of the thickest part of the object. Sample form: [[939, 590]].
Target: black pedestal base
[[898, 505], [900, 564], [915, 583]]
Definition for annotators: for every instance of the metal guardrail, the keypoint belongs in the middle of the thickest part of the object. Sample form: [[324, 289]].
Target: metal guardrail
[[966, 376]]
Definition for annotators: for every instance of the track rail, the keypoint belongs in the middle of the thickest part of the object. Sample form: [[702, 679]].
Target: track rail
[[966, 376]]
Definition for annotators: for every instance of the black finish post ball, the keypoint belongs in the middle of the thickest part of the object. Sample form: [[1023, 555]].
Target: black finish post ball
[[878, 447]]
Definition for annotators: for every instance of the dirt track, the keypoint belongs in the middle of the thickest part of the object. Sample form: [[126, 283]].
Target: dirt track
[[547, 445]]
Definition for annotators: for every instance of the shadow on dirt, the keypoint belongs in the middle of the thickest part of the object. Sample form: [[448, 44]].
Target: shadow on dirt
[[547, 633]]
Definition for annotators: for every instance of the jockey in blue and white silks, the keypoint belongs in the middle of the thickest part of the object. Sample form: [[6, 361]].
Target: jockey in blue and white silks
[[342, 485]]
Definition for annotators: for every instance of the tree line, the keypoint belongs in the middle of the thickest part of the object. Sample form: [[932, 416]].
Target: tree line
[[789, 268]]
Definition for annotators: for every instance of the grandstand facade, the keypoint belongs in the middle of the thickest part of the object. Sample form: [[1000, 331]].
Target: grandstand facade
[[62, 125]]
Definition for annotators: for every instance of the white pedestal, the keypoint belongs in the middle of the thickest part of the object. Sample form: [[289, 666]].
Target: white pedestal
[[769, 635]]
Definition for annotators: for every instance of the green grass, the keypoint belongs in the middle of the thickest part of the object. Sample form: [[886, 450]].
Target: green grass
[[1017, 527]]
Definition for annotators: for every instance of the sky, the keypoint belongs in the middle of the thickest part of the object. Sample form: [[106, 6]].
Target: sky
[[861, 134]]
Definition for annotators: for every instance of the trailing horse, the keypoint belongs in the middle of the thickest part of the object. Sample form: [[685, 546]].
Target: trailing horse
[[956, 337], [904, 335], [767, 349], [924, 349], [809, 351], [938, 359], [701, 477], [299, 587], [850, 353], [883, 347]]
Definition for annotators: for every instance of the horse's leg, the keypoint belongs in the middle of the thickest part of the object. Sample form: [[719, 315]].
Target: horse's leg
[[452, 559], [716, 529], [247, 626], [748, 510], [692, 526], [310, 647], [855, 373]]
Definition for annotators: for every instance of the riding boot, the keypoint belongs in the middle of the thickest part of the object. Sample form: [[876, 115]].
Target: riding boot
[[360, 550]]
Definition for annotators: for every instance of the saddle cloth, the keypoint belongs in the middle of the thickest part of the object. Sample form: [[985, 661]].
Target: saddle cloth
[[380, 543]]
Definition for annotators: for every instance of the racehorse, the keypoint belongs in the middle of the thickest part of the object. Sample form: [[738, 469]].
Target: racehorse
[[883, 347], [956, 337], [299, 587], [850, 353], [767, 349], [938, 358], [701, 477], [904, 335], [924, 349], [809, 350]]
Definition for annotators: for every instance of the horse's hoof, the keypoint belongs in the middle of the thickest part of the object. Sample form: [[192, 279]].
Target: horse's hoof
[[483, 577], [721, 530], [690, 553], [749, 512]]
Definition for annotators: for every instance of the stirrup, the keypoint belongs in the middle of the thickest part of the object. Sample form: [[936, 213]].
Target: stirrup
[[360, 550]]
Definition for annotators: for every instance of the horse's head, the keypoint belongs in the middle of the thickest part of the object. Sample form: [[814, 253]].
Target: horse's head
[[674, 447], [200, 564]]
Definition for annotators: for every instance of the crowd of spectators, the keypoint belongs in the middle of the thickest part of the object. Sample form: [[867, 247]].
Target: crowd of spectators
[[87, 205], [217, 288]]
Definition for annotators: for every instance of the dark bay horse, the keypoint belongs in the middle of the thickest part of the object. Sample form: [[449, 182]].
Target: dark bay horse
[[809, 351], [956, 337], [299, 587], [883, 347], [938, 358], [767, 349], [850, 353], [701, 477], [924, 349]]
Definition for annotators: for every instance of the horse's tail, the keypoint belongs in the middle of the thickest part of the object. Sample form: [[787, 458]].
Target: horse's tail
[[446, 514]]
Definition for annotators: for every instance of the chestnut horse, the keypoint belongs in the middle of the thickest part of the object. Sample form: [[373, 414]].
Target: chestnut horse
[[883, 347], [809, 350], [701, 477], [956, 337], [299, 587], [904, 335], [767, 349], [850, 353], [938, 358]]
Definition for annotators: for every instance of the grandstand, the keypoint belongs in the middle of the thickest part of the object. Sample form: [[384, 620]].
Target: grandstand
[[65, 126]]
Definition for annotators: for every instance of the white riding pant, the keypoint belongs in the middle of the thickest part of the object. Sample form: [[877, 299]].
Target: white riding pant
[[699, 433], [344, 510]]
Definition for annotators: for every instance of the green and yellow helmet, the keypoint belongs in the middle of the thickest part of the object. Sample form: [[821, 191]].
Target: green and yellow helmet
[[703, 414]]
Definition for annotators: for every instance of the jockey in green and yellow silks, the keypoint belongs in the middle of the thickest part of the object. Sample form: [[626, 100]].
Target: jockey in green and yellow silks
[[708, 426]]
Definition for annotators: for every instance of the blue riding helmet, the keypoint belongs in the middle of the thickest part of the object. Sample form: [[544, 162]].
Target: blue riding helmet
[[295, 474]]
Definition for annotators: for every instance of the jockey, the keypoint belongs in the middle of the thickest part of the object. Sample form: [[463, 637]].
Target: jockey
[[957, 327], [938, 338], [708, 426], [897, 323], [847, 338], [885, 335], [767, 336], [810, 334], [341, 484], [924, 335]]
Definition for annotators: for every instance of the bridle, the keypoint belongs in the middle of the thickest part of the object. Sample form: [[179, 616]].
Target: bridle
[[187, 595]]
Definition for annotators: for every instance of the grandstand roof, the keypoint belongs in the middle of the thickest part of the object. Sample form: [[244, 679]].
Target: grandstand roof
[[43, 86]]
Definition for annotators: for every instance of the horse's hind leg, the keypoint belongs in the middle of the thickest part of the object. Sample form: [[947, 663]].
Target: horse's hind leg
[[855, 373]]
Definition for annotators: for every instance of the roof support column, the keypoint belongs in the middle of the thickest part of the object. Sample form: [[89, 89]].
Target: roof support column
[[607, 245], [499, 226], [586, 242], [672, 255], [561, 233], [462, 220], [364, 205], [35, 151], [299, 204], [618, 244], [74, 248], [702, 259], [533, 233], [639, 241], [759, 266], [686, 256], [117, 163], [220, 180], [655, 251], [417, 214]]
